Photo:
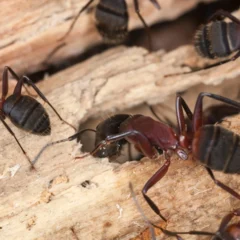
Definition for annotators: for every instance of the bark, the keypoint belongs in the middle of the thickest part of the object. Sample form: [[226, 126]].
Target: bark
[[31, 30], [51, 203]]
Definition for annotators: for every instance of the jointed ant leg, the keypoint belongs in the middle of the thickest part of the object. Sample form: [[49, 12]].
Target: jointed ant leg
[[137, 10], [12, 133], [67, 33], [153, 237], [143, 143], [76, 18], [221, 13], [198, 110], [18, 88], [180, 105], [5, 81], [151, 182], [221, 185], [155, 3], [167, 232]]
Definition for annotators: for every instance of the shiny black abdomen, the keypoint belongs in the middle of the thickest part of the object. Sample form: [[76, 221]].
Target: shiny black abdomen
[[217, 148], [112, 20], [28, 114]]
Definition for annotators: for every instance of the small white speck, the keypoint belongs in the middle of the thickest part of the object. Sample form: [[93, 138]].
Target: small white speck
[[120, 210]]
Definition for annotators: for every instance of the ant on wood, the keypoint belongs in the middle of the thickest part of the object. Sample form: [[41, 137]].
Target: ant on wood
[[24, 111], [215, 147], [219, 38], [111, 22]]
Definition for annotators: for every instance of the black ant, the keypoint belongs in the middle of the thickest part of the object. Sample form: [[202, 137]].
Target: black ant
[[218, 38], [105, 128], [24, 111], [225, 231], [111, 21], [213, 146]]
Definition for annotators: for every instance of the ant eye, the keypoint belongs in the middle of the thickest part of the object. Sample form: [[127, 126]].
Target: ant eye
[[183, 155]]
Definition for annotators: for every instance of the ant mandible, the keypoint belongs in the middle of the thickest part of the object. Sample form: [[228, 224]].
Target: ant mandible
[[213, 146]]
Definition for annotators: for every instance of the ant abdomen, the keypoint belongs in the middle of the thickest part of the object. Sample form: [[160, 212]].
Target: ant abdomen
[[112, 20], [28, 114], [217, 148], [217, 39]]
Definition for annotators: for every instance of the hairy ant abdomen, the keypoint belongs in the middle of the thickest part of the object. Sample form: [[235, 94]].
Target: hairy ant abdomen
[[217, 39], [116, 30], [28, 114], [217, 148]]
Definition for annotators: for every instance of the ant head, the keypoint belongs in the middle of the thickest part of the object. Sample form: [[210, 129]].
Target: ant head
[[111, 150]]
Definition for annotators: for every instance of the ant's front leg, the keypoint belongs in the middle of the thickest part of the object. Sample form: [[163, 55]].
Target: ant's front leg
[[151, 182]]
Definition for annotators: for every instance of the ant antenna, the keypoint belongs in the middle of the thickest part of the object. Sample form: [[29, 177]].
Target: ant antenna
[[150, 225], [60, 141]]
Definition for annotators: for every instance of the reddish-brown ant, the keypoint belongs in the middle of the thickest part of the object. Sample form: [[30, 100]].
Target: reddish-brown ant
[[225, 231], [24, 111], [218, 38], [213, 146]]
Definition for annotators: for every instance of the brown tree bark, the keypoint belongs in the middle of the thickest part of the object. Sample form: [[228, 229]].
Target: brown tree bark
[[51, 203]]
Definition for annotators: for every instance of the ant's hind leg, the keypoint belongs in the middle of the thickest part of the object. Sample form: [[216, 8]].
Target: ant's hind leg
[[222, 185]]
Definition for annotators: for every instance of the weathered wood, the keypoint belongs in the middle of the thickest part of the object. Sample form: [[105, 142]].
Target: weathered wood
[[50, 203], [30, 30]]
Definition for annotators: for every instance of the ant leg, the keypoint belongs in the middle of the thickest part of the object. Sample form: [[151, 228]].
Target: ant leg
[[167, 232], [142, 143], [5, 81], [146, 27], [141, 212], [237, 55], [198, 110], [12, 133], [180, 105], [130, 157], [18, 88], [76, 18], [227, 219], [221, 185], [166, 119], [151, 182], [222, 13], [50, 55], [155, 3], [75, 136]]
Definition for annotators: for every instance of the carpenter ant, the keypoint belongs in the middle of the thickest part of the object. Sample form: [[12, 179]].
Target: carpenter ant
[[225, 231], [111, 21], [24, 111], [218, 38], [109, 126], [213, 146]]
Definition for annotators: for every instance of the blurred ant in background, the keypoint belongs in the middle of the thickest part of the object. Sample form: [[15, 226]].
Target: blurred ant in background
[[111, 22]]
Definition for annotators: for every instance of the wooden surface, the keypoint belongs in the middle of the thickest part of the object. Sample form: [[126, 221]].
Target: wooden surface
[[30, 29], [51, 203]]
